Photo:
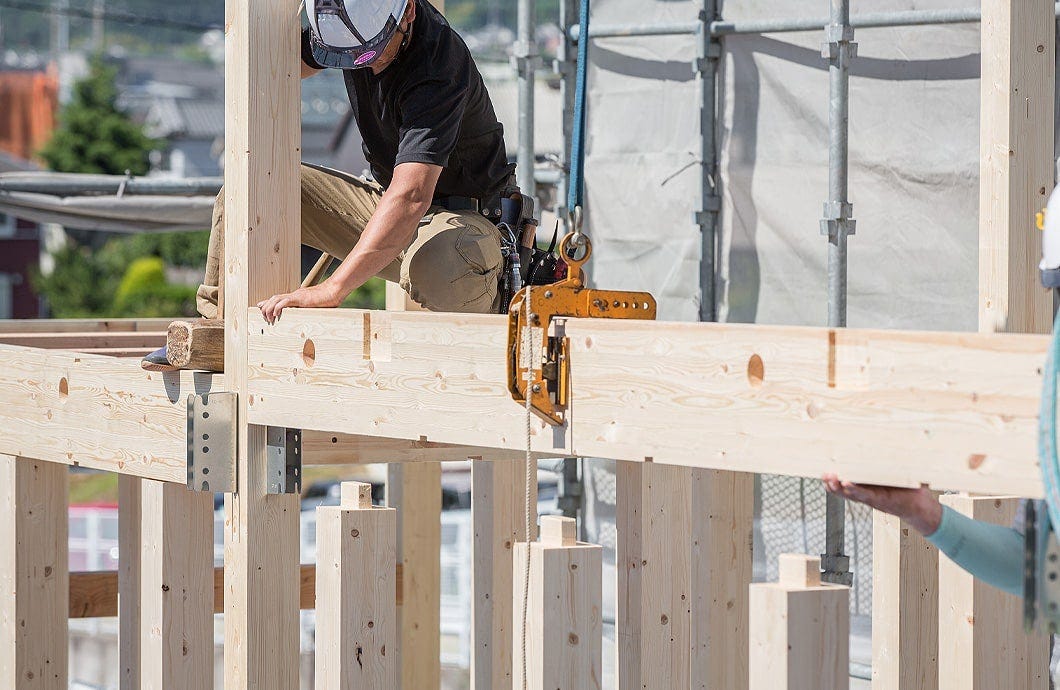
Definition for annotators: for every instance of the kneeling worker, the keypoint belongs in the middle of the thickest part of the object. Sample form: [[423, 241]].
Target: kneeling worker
[[436, 150]]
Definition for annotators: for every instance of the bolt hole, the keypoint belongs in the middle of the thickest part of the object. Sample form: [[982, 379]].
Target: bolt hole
[[206, 470], [309, 353], [206, 486], [206, 449], [64, 388], [756, 371], [205, 415], [205, 437]]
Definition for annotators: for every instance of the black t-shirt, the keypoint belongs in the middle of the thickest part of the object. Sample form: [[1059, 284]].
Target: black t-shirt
[[429, 106]]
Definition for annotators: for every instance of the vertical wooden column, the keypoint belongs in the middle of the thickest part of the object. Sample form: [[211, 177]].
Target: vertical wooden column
[[498, 504], [905, 610], [684, 564], [800, 630], [262, 221], [722, 521], [564, 624], [356, 615], [129, 519], [34, 575], [981, 639], [176, 576], [1016, 162]]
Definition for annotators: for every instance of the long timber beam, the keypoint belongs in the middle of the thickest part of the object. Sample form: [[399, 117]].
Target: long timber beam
[[83, 325], [953, 410]]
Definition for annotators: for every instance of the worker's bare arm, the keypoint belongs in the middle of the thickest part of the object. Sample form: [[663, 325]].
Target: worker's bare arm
[[919, 507], [389, 232]]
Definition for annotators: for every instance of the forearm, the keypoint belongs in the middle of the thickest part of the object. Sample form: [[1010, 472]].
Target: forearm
[[388, 233], [992, 553]]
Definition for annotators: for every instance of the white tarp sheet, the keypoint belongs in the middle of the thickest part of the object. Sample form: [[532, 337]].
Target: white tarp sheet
[[914, 145]]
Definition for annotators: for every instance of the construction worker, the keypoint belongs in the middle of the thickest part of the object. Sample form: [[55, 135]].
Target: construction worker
[[992, 553], [436, 150]]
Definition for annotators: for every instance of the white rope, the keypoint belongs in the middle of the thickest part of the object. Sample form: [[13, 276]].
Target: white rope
[[531, 476]]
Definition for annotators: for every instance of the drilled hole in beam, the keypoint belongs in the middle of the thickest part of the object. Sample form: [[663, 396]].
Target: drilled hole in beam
[[756, 371], [64, 388], [309, 353]]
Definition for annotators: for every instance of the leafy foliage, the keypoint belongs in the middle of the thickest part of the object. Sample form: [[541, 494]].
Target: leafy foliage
[[93, 136]]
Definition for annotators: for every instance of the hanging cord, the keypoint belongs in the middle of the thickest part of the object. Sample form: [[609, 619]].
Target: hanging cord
[[1047, 455], [531, 476]]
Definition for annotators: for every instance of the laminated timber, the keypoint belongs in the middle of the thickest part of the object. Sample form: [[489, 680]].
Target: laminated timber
[[954, 410]]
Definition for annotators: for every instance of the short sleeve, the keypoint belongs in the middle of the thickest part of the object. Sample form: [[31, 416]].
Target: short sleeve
[[307, 49], [431, 112]]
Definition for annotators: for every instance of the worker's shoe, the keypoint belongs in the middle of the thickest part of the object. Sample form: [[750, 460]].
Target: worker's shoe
[[157, 361]]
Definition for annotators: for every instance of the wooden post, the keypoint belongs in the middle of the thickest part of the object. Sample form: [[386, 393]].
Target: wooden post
[[262, 221], [800, 630], [981, 639], [415, 490], [498, 514], [905, 611], [176, 561], [356, 638], [684, 564], [129, 519], [34, 575], [564, 627], [722, 520]]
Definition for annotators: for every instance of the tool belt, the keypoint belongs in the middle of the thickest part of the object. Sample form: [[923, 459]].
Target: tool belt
[[513, 214]]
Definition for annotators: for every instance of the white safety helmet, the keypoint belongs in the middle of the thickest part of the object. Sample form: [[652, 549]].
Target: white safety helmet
[[349, 34]]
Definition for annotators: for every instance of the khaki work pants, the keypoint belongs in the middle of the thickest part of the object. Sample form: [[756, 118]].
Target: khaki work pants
[[453, 263]]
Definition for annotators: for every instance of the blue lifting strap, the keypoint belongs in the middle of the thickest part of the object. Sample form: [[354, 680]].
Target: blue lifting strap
[[577, 153]]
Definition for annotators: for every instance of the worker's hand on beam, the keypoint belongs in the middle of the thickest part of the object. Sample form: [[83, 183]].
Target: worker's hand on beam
[[919, 507], [323, 295]]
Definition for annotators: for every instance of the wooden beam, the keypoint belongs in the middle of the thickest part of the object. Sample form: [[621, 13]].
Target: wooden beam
[[324, 448], [176, 587], [564, 622], [905, 609], [800, 630], [33, 574], [88, 597], [356, 620], [197, 344], [81, 341], [498, 516], [1016, 162], [415, 490], [96, 412], [722, 521], [953, 410], [83, 325], [261, 256], [95, 594], [981, 639]]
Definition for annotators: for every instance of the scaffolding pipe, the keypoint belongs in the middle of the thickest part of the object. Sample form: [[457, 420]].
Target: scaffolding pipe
[[837, 225], [524, 60], [708, 56], [787, 25], [71, 184]]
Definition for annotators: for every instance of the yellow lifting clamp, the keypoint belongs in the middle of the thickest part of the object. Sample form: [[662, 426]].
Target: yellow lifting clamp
[[549, 381]]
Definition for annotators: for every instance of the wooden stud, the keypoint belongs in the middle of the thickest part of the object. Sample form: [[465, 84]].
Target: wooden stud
[[722, 520], [498, 505], [176, 587], [262, 217], [127, 608], [905, 610], [356, 619], [33, 574], [800, 630], [981, 639], [323, 448], [197, 344], [564, 625], [415, 490]]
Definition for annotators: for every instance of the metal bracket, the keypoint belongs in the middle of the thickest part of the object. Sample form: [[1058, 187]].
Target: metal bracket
[[833, 228], [830, 51], [212, 440], [283, 460]]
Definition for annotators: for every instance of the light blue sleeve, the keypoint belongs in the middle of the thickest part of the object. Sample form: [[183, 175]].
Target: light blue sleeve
[[992, 553]]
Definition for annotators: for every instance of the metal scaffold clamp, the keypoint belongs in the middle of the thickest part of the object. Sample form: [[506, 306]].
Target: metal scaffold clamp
[[547, 378]]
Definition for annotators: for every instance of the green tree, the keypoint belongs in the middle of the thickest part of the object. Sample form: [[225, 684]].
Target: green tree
[[93, 135]]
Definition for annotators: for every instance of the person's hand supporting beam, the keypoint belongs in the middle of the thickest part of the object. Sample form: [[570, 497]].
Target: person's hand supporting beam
[[919, 507], [389, 232]]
